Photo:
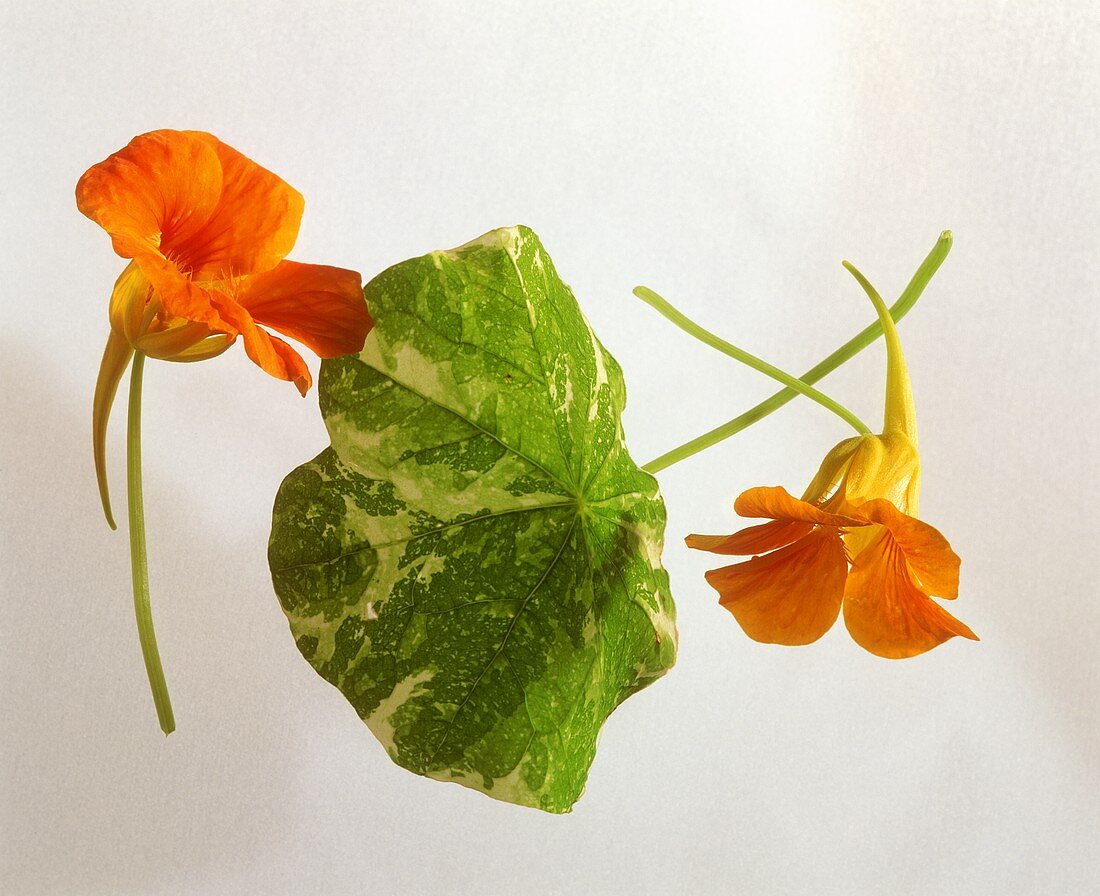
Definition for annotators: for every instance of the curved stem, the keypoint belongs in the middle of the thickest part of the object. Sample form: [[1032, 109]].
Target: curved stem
[[899, 413], [139, 568], [850, 349], [651, 298]]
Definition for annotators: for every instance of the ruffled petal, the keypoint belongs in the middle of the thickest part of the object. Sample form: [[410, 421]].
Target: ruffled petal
[[753, 540], [159, 190], [116, 355], [274, 356], [791, 596], [178, 297], [254, 225], [927, 553], [792, 519], [322, 307], [191, 199], [776, 503], [885, 610], [183, 297]]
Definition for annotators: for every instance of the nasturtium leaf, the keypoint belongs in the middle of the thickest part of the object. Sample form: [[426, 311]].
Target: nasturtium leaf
[[475, 561]]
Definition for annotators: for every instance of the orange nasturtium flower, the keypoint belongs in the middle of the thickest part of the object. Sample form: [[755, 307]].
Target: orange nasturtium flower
[[207, 231], [860, 511]]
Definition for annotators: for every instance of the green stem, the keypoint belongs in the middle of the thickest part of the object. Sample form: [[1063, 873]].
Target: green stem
[[139, 568], [850, 349], [685, 323]]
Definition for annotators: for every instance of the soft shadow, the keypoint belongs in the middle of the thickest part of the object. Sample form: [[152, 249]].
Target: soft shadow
[[94, 798]]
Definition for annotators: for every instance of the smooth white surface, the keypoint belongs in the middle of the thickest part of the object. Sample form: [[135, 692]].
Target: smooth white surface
[[729, 156]]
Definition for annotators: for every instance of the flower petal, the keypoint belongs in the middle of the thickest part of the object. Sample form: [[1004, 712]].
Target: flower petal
[[116, 355], [157, 191], [181, 296], [791, 596], [322, 307], [792, 519], [927, 552], [753, 540], [189, 198], [776, 503], [275, 357], [254, 224], [885, 610], [132, 316]]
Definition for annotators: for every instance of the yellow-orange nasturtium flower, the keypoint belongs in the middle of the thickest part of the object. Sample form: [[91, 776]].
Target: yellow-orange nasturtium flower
[[852, 540], [207, 231]]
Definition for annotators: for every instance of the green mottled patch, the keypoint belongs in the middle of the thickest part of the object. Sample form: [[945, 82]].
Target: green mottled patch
[[475, 561]]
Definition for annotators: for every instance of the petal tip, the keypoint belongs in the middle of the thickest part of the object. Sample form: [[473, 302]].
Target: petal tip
[[967, 632]]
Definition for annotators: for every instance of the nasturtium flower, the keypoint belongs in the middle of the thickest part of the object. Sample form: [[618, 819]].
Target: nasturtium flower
[[207, 231], [853, 540]]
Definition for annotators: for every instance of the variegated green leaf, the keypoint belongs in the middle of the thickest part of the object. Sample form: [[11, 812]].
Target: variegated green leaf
[[475, 562]]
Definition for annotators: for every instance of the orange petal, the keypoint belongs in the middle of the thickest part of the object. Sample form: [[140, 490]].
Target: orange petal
[[790, 596], [791, 518], [320, 306], [254, 225], [186, 196], [181, 296], [926, 551], [157, 191], [276, 357], [753, 540], [116, 356], [271, 354], [776, 503], [885, 610]]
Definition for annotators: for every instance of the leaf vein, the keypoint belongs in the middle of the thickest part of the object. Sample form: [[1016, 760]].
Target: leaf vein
[[504, 640]]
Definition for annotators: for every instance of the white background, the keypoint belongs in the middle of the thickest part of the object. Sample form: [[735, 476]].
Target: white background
[[728, 155]]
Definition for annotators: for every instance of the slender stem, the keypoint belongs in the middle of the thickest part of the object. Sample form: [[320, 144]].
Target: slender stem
[[139, 568], [727, 348], [900, 413], [850, 349]]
